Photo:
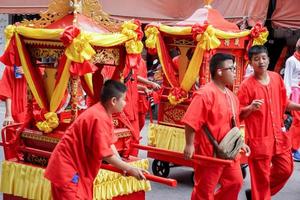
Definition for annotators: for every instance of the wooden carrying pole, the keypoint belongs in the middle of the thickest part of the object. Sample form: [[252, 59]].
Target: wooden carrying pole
[[195, 159], [165, 181]]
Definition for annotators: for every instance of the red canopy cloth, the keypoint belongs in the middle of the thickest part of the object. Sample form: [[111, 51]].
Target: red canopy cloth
[[286, 14], [177, 10], [212, 17], [152, 10]]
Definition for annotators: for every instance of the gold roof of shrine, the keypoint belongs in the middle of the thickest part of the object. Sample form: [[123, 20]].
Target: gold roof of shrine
[[58, 9]]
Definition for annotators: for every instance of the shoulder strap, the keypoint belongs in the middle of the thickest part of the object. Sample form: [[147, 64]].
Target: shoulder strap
[[210, 137], [232, 108]]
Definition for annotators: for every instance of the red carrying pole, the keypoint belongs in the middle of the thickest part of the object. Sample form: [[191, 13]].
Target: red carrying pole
[[195, 159], [165, 181]]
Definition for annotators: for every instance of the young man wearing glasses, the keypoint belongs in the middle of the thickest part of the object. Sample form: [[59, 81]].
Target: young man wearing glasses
[[214, 106]]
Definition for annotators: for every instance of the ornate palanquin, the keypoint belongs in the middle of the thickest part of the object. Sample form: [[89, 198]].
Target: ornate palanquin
[[184, 50], [62, 55]]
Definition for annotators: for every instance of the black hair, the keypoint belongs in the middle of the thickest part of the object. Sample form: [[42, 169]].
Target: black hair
[[110, 89], [257, 49], [217, 60]]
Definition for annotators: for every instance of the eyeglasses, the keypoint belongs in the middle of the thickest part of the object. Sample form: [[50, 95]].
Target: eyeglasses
[[232, 69]]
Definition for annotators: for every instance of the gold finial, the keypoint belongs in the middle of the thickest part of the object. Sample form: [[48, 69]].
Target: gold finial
[[77, 8], [207, 3]]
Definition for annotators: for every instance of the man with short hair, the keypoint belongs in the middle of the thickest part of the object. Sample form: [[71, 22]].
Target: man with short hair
[[213, 106], [263, 101], [77, 158]]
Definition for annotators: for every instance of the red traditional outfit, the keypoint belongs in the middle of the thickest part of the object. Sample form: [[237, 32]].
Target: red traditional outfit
[[142, 99], [211, 107], [15, 89], [270, 161], [76, 160], [131, 108]]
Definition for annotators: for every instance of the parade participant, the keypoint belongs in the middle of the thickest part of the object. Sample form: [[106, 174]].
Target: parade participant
[[131, 108], [146, 86], [76, 160], [214, 106], [263, 102], [13, 92], [292, 81]]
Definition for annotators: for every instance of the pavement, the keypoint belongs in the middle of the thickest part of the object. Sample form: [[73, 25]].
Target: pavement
[[183, 175]]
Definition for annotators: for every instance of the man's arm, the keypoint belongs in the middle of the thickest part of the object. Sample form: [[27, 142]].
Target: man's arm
[[8, 115], [293, 106], [130, 170], [115, 151], [144, 89], [247, 110], [189, 142], [149, 83]]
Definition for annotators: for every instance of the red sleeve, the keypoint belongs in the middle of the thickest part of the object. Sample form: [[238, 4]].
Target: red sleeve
[[243, 96], [102, 139], [6, 84], [197, 112]]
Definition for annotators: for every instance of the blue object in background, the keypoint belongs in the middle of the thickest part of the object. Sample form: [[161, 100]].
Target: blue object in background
[[17, 74], [75, 179]]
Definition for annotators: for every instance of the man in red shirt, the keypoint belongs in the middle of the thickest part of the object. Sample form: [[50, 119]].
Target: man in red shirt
[[76, 160], [263, 101], [213, 106], [147, 87], [13, 92], [131, 108]]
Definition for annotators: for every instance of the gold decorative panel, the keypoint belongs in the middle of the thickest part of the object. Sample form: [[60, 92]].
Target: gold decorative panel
[[39, 53], [171, 114], [93, 9], [39, 137], [57, 9], [183, 42], [107, 56]]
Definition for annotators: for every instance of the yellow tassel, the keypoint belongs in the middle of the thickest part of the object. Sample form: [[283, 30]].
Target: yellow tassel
[[29, 182], [109, 184], [166, 137]]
